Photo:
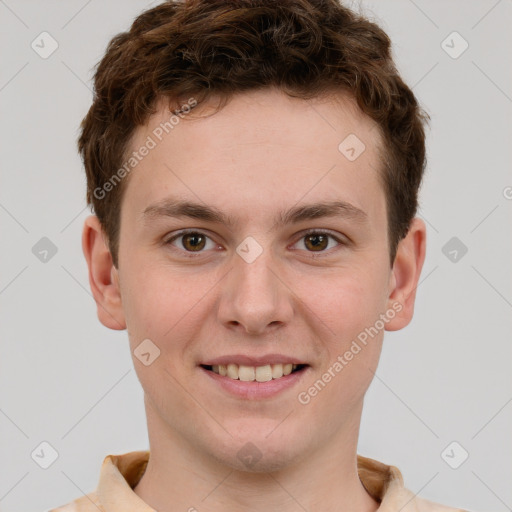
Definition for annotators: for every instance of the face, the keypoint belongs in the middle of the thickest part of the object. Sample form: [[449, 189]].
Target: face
[[226, 266]]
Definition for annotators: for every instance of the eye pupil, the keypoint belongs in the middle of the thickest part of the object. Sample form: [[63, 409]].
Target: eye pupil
[[320, 243], [195, 245]]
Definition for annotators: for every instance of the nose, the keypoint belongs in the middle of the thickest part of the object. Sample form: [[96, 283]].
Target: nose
[[255, 297]]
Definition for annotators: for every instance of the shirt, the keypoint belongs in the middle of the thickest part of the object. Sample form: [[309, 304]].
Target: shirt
[[119, 475]]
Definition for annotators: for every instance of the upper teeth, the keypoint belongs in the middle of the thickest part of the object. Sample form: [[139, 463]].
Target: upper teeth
[[251, 373]]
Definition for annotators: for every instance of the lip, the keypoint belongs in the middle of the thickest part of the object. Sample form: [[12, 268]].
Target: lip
[[256, 390], [241, 359]]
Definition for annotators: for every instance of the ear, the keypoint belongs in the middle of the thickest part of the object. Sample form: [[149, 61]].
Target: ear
[[103, 276], [405, 275]]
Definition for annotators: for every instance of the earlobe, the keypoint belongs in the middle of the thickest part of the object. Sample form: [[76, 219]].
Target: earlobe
[[103, 276], [405, 276]]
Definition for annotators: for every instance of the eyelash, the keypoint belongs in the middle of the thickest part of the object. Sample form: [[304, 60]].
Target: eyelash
[[192, 254]]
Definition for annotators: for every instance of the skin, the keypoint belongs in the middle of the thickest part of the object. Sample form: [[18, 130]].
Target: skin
[[262, 153]]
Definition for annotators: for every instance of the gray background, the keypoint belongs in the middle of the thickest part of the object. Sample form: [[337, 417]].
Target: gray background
[[67, 380]]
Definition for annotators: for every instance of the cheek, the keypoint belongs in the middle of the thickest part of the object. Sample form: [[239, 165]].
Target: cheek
[[163, 305], [345, 309], [344, 302]]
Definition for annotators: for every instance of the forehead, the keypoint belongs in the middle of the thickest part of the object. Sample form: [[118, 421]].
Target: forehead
[[264, 115], [260, 150]]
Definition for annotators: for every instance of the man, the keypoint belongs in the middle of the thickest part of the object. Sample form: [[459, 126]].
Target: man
[[254, 169]]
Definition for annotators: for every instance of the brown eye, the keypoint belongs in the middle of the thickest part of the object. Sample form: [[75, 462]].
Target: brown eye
[[193, 241], [320, 242], [189, 242], [316, 242]]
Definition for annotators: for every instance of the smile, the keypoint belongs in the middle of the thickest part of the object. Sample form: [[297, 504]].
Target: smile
[[263, 373]]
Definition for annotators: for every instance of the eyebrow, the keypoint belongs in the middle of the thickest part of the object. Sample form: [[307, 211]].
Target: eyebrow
[[174, 207]]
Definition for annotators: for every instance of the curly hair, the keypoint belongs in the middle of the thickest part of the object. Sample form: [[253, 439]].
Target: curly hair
[[201, 49]]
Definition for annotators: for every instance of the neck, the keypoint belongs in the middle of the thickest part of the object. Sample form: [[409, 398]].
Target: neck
[[180, 477]]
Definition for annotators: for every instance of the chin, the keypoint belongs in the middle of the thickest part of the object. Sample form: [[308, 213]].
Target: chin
[[260, 449]]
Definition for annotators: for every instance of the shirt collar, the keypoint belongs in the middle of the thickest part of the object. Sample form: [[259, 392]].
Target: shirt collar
[[120, 474]]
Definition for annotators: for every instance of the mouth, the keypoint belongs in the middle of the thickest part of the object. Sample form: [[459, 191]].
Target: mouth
[[263, 373]]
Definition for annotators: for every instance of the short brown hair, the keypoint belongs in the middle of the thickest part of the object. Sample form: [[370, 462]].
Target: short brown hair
[[201, 48]]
